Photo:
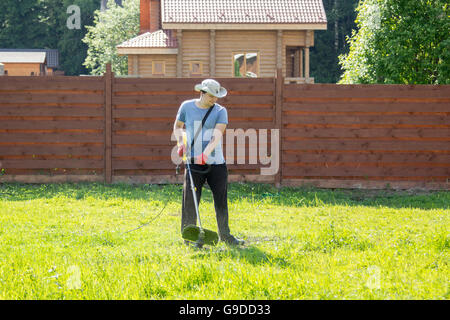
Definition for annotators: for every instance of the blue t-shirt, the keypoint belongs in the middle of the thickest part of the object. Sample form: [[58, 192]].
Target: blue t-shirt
[[192, 117]]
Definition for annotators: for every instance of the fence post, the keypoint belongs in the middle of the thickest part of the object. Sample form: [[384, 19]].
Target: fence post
[[108, 78], [279, 122]]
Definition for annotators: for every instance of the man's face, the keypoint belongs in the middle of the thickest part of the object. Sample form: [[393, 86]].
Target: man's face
[[209, 99]]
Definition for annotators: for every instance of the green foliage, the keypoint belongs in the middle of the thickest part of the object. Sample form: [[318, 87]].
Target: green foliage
[[330, 43], [68, 41], [22, 24], [42, 24], [237, 71], [399, 41], [111, 27]]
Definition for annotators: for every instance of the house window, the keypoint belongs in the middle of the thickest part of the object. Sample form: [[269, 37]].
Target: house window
[[158, 68], [246, 64], [195, 68]]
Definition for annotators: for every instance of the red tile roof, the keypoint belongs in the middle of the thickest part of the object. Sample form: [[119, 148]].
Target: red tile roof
[[243, 11], [157, 39]]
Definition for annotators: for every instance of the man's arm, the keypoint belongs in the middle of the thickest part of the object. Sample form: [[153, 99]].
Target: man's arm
[[178, 129], [216, 138]]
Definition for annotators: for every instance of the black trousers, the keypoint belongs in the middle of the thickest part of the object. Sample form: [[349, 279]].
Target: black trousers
[[217, 179]]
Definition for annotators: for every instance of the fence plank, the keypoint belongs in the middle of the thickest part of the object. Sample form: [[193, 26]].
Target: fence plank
[[145, 113], [176, 99], [429, 158], [69, 151], [173, 99], [142, 164], [348, 144], [51, 137], [51, 111], [26, 97], [50, 164], [369, 119], [309, 132], [167, 113], [352, 171], [146, 151], [50, 125], [332, 106], [374, 183], [368, 92], [143, 140], [53, 83]]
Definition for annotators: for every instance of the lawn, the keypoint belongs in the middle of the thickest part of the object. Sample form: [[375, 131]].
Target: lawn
[[70, 241]]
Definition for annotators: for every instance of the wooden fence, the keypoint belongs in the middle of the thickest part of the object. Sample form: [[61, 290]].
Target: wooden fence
[[56, 129], [366, 136]]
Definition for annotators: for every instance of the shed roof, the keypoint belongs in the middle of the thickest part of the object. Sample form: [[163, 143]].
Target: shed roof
[[52, 55], [22, 57], [243, 11], [157, 39]]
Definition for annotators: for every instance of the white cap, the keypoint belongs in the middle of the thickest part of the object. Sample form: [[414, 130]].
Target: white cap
[[213, 87]]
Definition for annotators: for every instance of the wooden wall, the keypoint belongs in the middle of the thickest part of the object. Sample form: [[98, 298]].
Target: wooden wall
[[366, 135], [22, 69], [143, 116], [52, 128], [113, 129], [195, 48], [291, 39], [143, 65], [263, 42]]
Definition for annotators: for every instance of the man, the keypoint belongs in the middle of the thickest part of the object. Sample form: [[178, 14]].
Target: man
[[206, 155]]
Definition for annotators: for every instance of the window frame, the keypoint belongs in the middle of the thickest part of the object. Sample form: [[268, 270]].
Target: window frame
[[191, 63], [163, 63], [245, 52]]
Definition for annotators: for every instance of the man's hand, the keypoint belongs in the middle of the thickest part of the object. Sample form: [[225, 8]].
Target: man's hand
[[181, 150], [201, 159]]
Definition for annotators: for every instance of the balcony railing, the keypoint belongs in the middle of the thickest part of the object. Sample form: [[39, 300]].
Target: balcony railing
[[298, 80]]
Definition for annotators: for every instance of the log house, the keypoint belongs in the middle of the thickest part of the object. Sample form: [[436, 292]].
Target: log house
[[226, 38]]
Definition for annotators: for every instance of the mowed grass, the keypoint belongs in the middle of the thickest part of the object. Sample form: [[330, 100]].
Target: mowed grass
[[70, 241]]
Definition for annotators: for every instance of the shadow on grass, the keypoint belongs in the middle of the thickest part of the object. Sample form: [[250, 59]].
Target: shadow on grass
[[259, 194], [80, 191], [255, 194], [249, 254]]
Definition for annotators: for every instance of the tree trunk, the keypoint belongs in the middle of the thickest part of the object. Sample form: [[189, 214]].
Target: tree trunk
[[336, 26]]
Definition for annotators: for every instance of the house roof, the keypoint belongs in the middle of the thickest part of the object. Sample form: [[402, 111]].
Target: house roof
[[52, 55], [157, 39], [243, 12], [22, 57]]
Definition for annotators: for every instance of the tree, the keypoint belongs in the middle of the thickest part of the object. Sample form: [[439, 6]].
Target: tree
[[330, 43], [41, 24], [69, 40], [21, 24], [111, 27], [399, 41]]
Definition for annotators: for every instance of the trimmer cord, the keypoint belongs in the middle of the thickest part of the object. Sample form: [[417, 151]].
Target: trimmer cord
[[147, 223]]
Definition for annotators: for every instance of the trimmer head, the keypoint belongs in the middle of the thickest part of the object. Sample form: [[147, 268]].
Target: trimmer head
[[193, 233]]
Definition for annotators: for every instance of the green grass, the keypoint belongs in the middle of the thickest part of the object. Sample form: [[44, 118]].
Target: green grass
[[69, 241]]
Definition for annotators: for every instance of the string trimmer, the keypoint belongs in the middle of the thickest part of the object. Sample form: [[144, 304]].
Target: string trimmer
[[191, 232]]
